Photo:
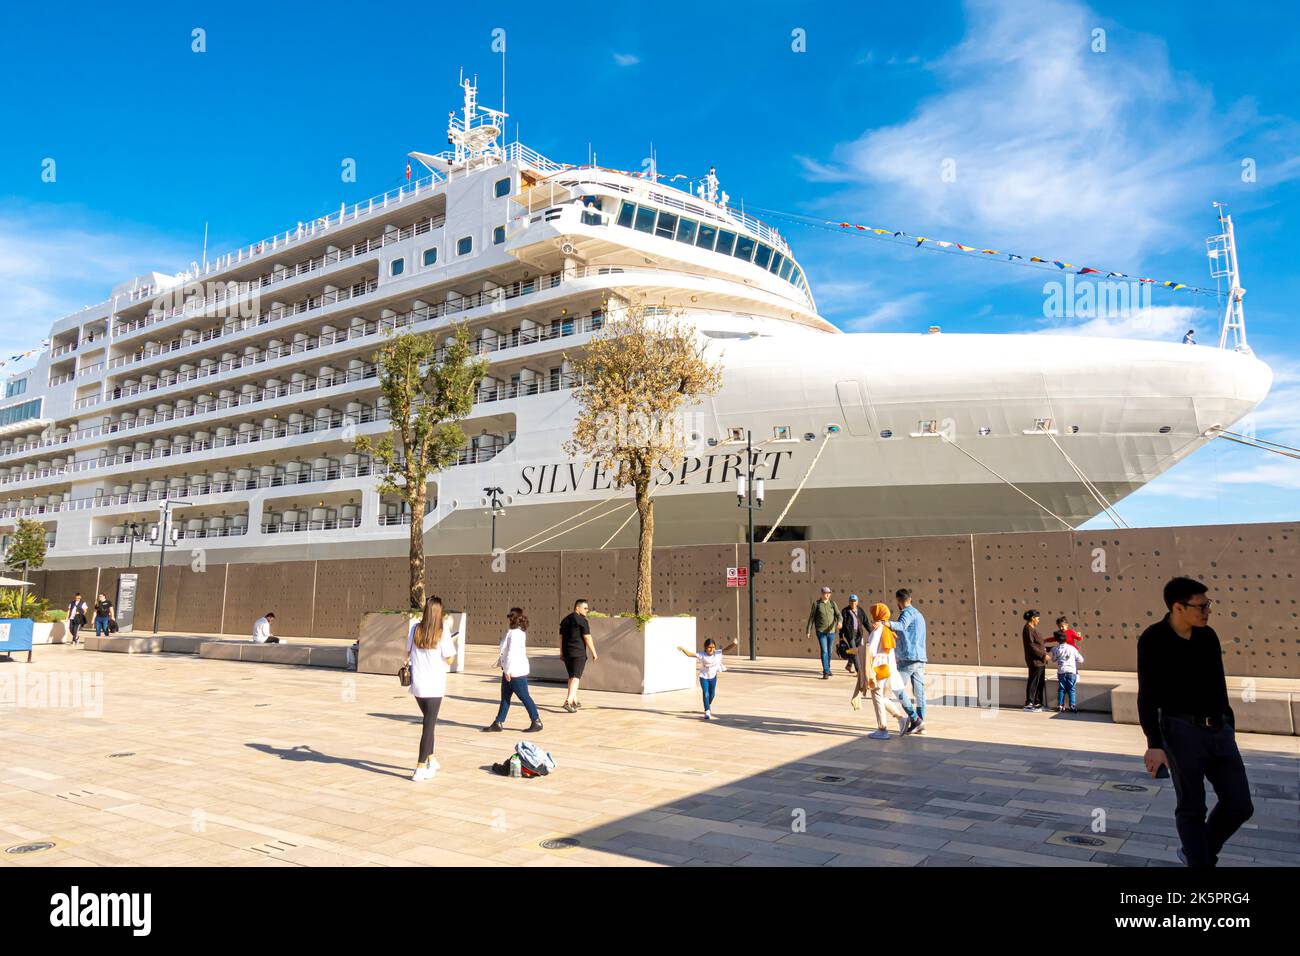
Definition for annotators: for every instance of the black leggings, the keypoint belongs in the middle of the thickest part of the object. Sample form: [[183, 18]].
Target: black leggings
[[429, 707]]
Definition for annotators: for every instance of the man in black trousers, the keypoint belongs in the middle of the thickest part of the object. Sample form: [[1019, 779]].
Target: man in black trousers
[[1184, 711]]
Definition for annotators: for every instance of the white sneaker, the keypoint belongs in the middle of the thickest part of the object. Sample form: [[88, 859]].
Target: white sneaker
[[421, 773], [879, 735], [434, 766], [903, 723], [1029, 708], [708, 715]]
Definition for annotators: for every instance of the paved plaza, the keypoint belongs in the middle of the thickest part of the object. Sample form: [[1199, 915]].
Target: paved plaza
[[194, 762]]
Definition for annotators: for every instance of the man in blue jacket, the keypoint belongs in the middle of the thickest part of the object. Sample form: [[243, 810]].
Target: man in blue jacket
[[910, 630]]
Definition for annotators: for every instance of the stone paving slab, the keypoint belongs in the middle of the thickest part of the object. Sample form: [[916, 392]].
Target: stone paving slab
[[186, 761]]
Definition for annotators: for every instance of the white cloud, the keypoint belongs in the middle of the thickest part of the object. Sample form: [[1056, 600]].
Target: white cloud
[[626, 59], [888, 312], [1112, 153], [1161, 322], [54, 262]]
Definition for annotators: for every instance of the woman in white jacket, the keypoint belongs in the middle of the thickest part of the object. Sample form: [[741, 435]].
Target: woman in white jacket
[[878, 674], [513, 661], [430, 654]]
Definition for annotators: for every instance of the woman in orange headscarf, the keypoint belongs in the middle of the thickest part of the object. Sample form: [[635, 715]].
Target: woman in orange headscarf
[[878, 674]]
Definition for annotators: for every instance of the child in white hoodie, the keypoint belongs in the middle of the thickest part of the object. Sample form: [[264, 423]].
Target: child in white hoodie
[[1068, 659]]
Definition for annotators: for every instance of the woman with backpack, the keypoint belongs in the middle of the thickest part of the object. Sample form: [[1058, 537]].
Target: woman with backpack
[[430, 654], [513, 661]]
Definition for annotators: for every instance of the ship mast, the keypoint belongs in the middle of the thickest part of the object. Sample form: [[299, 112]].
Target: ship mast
[[1222, 250]]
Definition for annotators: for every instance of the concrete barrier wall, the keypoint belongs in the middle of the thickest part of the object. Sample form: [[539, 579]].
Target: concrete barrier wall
[[972, 589]]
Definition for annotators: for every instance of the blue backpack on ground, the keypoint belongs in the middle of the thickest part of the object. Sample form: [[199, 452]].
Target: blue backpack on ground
[[534, 761]]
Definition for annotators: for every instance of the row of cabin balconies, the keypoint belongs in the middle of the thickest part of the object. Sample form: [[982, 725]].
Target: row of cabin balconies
[[320, 469], [279, 311], [287, 520], [278, 273], [492, 389]]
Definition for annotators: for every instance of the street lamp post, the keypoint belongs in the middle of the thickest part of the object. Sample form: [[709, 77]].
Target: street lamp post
[[749, 495], [130, 548], [494, 502], [163, 531]]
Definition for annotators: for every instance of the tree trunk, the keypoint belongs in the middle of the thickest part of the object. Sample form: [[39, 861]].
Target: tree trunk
[[417, 551], [645, 549]]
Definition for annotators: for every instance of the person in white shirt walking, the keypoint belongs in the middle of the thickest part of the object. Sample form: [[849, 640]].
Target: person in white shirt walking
[[262, 629], [513, 661], [710, 666], [1068, 659], [878, 674], [430, 653]]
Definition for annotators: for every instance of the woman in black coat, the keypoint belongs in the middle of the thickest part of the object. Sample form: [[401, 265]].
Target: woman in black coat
[[1036, 661]]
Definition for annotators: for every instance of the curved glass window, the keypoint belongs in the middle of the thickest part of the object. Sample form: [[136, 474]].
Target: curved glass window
[[776, 263], [763, 255], [20, 413], [706, 236], [785, 269], [686, 231], [625, 213], [744, 248], [645, 219], [726, 242], [667, 225]]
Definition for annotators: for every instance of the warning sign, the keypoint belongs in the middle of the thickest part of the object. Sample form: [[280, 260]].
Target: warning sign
[[737, 577]]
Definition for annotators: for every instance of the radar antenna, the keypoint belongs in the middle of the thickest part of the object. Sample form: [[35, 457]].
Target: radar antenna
[[473, 136]]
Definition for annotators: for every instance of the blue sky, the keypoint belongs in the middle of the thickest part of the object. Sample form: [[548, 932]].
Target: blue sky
[[1101, 157]]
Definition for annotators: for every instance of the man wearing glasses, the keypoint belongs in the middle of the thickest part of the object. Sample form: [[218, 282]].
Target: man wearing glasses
[[1183, 708]]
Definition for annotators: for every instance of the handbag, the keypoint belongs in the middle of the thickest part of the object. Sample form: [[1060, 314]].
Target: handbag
[[404, 674], [842, 650], [882, 671]]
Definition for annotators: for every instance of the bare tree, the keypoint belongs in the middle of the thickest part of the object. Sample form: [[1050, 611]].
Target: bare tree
[[429, 391], [637, 376]]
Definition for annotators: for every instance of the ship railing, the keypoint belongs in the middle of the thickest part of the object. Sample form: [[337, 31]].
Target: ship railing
[[320, 524], [237, 290], [64, 349], [304, 231], [402, 517], [466, 456], [60, 379], [233, 532]]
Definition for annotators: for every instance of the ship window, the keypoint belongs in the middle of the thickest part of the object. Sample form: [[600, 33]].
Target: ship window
[[16, 388], [777, 259], [645, 218], [744, 248], [431, 256], [591, 218], [465, 246], [625, 213], [782, 433], [707, 236], [763, 256], [725, 241], [686, 230], [397, 267], [502, 188], [498, 235], [667, 225], [886, 433], [785, 268], [20, 413]]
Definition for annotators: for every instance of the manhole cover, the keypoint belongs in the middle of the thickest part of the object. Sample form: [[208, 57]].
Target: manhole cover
[[563, 843], [1130, 787], [1078, 840], [828, 778], [29, 848], [124, 753]]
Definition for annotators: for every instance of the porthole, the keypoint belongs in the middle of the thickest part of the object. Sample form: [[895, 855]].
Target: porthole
[[886, 433], [984, 430], [1165, 429]]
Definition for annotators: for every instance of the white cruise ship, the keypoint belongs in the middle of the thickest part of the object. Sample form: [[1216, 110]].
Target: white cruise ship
[[239, 387]]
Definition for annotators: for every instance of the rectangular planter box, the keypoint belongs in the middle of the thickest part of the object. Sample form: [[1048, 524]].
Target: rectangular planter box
[[636, 660], [383, 642]]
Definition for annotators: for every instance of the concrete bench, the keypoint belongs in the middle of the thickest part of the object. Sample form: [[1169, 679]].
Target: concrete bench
[[161, 644], [547, 666], [1267, 712], [302, 655]]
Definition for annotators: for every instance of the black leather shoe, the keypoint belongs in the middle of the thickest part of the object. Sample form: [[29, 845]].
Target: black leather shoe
[[493, 728], [535, 726]]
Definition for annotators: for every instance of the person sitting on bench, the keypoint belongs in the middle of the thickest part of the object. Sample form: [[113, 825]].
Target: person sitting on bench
[[262, 629]]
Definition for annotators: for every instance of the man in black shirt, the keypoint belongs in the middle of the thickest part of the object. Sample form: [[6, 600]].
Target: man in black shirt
[[575, 647], [1184, 711]]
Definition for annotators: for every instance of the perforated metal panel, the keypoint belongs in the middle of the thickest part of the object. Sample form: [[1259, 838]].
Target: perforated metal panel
[[972, 590]]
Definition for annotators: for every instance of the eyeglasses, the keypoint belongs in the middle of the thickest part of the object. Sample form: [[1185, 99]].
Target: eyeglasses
[[1198, 607]]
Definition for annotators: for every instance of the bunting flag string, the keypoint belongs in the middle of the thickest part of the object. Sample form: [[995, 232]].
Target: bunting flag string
[[898, 237], [45, 344]]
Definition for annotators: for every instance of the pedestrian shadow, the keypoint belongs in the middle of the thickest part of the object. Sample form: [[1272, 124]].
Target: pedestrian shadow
[[305, 754], [758, 723]]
